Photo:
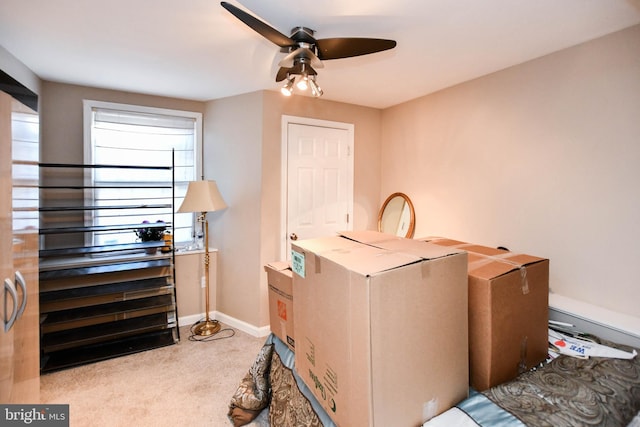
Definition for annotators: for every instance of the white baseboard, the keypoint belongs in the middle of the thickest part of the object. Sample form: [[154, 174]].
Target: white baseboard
[[227, 320], [607, 324]]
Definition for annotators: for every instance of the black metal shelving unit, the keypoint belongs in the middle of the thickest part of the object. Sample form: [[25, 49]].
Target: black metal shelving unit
[[100, 301]]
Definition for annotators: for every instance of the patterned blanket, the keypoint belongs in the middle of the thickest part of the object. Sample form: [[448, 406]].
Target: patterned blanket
[[566, 392], [574, 392], [272, 393]]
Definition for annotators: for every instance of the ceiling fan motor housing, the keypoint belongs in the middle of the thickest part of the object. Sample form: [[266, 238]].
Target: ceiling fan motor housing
[[303, 34]]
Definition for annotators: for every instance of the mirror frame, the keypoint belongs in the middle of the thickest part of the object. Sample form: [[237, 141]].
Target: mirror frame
[[412, 216]]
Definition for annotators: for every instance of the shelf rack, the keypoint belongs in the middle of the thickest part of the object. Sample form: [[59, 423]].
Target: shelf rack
[[99, 301]]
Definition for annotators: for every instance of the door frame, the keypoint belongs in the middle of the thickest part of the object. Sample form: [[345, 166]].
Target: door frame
[[284, 170]]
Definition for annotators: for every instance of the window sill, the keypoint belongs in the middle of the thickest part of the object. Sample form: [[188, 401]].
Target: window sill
[[193, 251]]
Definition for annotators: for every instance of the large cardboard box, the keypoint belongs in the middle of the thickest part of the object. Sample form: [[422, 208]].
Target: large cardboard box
[[508, 312], [280, 282], [381, 327]]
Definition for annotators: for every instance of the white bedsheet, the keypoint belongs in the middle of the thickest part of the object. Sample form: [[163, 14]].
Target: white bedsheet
[[475, 411], [454, 417]]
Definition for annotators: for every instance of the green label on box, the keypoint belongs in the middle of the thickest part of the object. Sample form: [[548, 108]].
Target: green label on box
[[297, 263]]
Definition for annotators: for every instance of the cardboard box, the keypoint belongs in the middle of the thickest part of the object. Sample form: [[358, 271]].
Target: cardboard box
[[279, 279], [381, 327], [508, 312]]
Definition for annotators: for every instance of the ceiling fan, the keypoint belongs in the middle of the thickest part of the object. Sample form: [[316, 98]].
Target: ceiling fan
[[305, 53]]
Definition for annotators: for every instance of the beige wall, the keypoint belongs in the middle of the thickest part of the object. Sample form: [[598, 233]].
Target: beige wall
[[233, 158], [61, 116], [542, 158], [189, 275], [243, 152]]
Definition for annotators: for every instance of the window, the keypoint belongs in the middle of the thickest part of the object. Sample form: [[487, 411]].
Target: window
[[128, 135], [25, 151]]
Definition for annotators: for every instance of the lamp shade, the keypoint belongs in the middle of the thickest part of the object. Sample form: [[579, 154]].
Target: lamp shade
[[202, 196]]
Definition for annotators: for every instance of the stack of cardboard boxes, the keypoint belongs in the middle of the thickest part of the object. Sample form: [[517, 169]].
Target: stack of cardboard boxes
[[387, 331]]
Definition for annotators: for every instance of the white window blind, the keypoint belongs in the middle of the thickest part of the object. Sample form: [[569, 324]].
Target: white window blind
[[25, 174], [122, 136]]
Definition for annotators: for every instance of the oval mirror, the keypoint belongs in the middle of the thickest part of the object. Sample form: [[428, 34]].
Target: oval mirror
[[397, 216]]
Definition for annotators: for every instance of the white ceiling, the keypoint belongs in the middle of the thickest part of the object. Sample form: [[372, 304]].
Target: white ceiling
[[195, 49]]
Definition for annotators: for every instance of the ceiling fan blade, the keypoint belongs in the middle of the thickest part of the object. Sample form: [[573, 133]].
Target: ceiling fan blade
[[302, 52], [259, 26], [297, 69], [346, 47]]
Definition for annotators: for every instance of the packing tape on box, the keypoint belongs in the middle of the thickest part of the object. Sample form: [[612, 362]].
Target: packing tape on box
[[280, 292], [430, 409], [426, 269], [318, 264], [487, 259], [522, 366], [523, 280]]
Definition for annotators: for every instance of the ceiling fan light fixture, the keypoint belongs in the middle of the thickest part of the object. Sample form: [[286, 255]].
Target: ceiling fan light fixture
[[305, 52], [287, 89]]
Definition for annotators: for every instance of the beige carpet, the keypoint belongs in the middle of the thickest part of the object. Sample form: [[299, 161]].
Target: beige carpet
[[187, 384]]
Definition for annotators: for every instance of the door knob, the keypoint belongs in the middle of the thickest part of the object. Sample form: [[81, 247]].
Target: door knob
[[293, 236]]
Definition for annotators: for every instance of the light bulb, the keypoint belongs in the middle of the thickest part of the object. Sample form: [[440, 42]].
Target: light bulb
[[287, 89], [315, 89], [302, 83]]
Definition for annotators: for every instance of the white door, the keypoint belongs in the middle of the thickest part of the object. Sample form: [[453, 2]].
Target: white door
[[318, 164]]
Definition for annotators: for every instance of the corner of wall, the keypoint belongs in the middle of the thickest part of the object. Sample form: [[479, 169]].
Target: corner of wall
[[19, 71]]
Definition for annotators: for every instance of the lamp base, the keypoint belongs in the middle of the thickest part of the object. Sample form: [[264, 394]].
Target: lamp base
[[206, 328]]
